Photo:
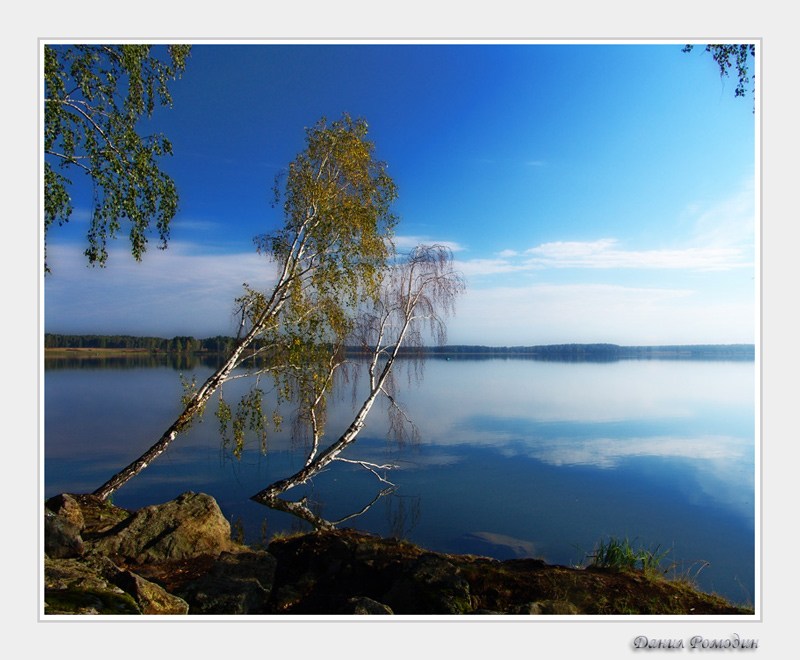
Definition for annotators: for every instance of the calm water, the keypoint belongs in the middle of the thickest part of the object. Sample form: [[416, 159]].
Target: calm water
[[516, 458]]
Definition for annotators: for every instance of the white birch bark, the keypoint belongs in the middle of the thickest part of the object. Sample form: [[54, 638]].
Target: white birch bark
[[335, 243], [419, 290]]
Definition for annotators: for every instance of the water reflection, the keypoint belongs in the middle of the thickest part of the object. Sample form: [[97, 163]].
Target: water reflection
[[516, 458], [311, 513], [132, 360]]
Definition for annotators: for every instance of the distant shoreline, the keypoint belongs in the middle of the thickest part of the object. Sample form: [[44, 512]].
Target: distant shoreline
[[77, 346]]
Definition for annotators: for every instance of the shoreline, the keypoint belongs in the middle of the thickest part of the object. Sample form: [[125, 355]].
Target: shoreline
[[179, 558]]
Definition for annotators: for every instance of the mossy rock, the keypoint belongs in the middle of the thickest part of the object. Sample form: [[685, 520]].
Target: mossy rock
[[88, 601]]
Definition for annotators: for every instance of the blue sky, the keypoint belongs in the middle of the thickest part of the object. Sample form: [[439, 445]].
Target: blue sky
[[590, 192]]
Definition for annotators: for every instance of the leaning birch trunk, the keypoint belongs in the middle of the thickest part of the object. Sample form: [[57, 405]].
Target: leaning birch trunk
[[194, 406], [200, 398], [423, 283], [214, 382], [332, 250], [330, 454]]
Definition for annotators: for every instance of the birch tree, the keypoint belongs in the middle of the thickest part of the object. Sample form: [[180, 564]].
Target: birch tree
[[418, 294], [729, 56], [95, 98], [330, 256]]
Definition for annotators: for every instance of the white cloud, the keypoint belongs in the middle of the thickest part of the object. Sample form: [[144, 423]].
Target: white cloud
[[605, 254], [573, 249], [196, 225], [175, 291], [481, 267], [403, 243], [722, 239]]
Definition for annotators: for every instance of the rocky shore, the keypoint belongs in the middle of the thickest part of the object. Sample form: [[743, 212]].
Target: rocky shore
[[179, 558]]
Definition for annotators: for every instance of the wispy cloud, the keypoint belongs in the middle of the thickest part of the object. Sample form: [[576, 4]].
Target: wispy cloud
[[721, 238], [728, 222], [605, 253], [176, 291], [403, 243], [196, 225], [484, 267]]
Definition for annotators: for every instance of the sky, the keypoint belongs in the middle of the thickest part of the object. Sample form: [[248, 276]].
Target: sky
[[590, 192]]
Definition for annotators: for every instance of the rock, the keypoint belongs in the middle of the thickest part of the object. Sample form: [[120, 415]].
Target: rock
[[559, 607], [188, 526], [149, 597], [79, 586], [529, 608], [548, 607], [429, 585], [242, 565], [237, 583], [212, 595], [95, 585], [88, 573], [68, 507], [61, 537], [366, 605]]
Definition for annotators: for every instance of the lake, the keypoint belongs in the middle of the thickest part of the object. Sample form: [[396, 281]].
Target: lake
[[516, 457]]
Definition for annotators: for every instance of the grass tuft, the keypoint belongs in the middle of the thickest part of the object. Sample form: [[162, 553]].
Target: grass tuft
[[622, 554]]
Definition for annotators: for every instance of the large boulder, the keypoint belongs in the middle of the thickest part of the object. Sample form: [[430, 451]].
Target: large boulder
[[91, 545], [188, 526]]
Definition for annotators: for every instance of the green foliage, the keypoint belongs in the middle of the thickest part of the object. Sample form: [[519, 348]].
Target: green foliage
[[249, 416], [337, 200], [94, 98], [331, 255], [190, 394], [621, 554], [732, 55]]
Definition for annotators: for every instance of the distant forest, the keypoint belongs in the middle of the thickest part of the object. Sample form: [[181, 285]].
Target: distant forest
[[128, 342], [220, 344]]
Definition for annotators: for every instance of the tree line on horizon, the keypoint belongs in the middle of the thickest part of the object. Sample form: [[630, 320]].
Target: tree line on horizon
[[223, 344], [179, 344]]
